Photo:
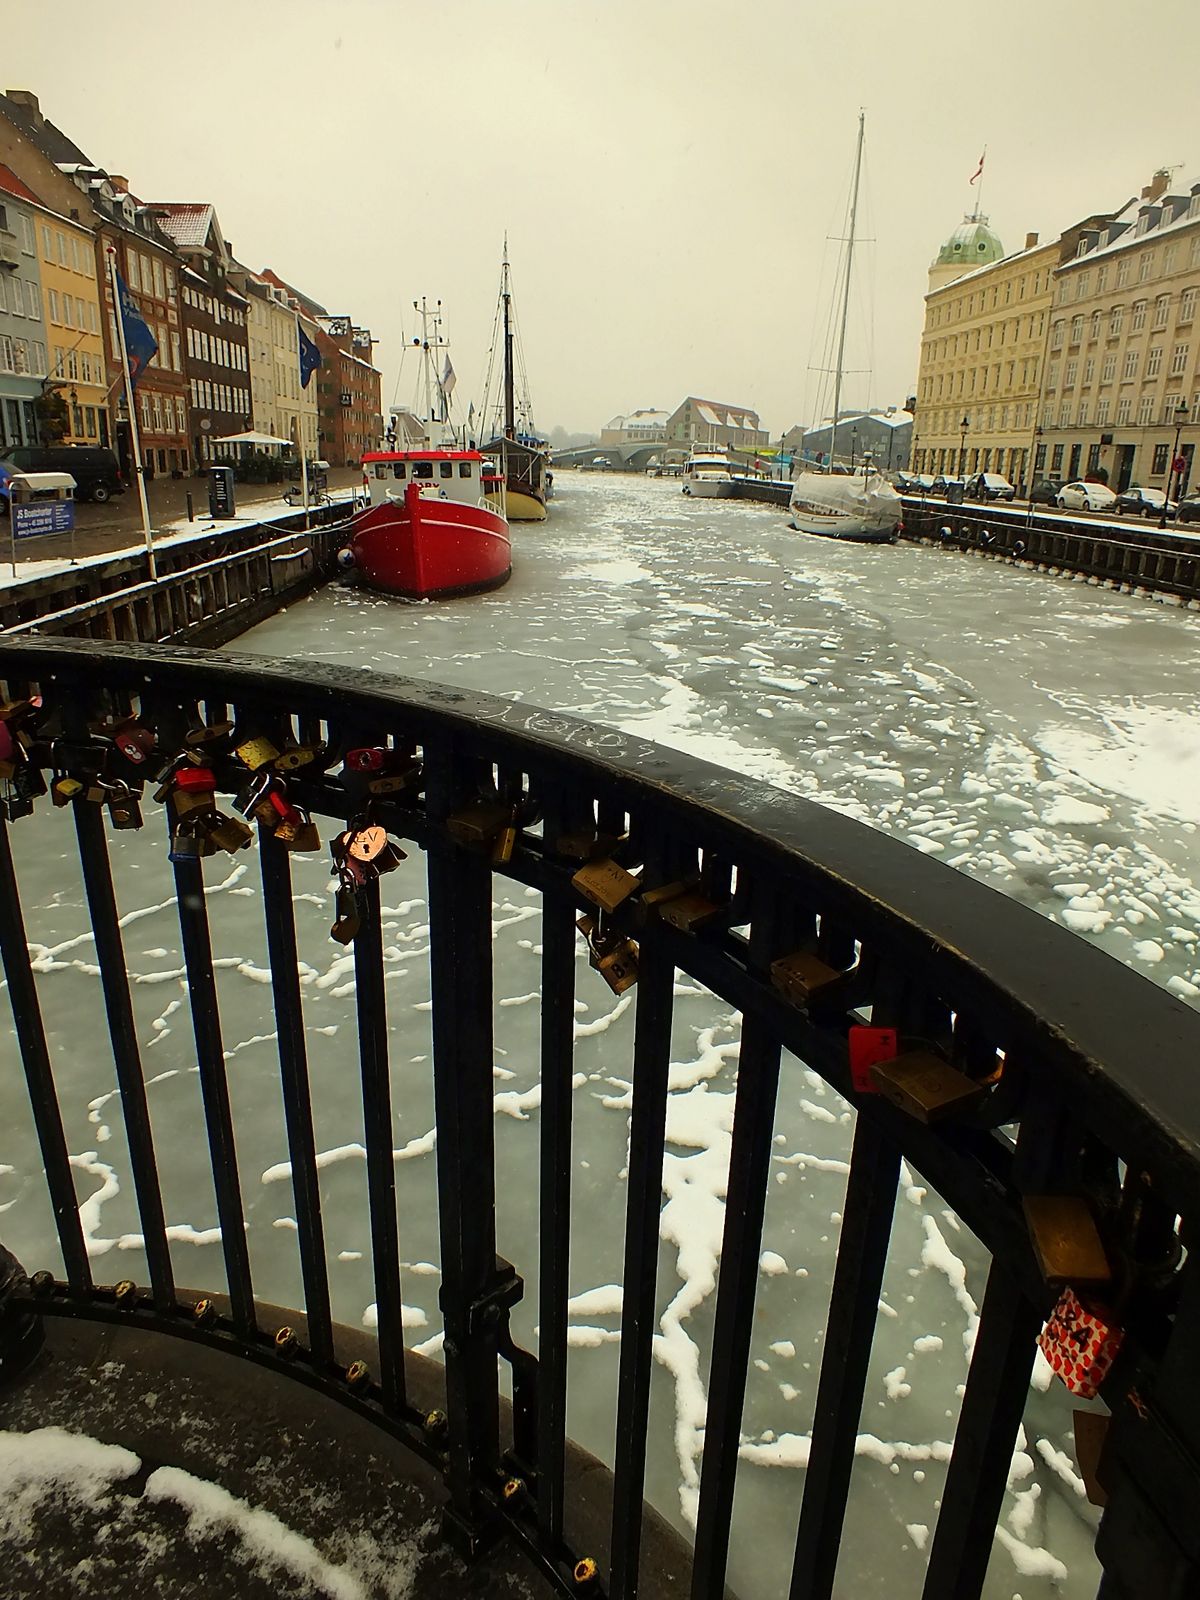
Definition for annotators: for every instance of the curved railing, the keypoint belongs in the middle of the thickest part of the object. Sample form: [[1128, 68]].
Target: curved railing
[[1048, 1093]]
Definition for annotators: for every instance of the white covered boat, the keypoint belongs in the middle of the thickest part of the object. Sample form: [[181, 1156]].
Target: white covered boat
[[707, 473], [862, 505]]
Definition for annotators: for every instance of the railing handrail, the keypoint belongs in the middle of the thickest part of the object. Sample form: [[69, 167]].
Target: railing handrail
[[977, 937]]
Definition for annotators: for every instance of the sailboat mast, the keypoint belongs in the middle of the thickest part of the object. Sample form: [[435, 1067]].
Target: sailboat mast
[[510, 420], [841, 350], [423, 314]]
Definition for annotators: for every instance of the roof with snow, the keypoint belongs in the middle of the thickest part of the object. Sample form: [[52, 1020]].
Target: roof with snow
[[188, 224], [313, 307], [719, 415], [1140, 221]]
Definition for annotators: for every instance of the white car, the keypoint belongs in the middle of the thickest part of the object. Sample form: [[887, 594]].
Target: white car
[[1080, 496]]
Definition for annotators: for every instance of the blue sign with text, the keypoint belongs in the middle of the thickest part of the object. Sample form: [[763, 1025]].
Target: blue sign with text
[[43, 516]]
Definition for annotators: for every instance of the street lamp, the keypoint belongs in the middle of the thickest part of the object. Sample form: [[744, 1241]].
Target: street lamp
[[1033, 455], [853, 447], [1181, 416], [963, 428]]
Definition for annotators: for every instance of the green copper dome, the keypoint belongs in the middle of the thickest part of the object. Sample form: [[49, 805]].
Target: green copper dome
[[972, 244]]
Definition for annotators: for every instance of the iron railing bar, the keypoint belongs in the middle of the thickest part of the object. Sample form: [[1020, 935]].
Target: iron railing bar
[[214, 1087], [460, 923], [651, 1064], [557, 1052], [35, 1058], [849, 1331], [114, 978], [374, 1063], [280, 919], [745, 1204], [992, 1408]]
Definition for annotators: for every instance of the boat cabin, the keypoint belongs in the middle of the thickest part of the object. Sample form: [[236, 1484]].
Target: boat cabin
[[461, 475]]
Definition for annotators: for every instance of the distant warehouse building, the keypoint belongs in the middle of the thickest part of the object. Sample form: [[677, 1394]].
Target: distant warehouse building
[[886, 436], [712, 422]]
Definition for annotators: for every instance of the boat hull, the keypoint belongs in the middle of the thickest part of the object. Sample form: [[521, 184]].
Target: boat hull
[[709, 488], [864, 508], [424, 548], [523, 504]]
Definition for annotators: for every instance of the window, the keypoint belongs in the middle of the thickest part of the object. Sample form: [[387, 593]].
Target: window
[[1122, 272], [1076, 329], [1168, 262], [1093, 457], [47, 244], [1056, 336], [156, 412], [1187, 305], [1138, 320], [33, 297], [176, 359], [89, 421], [17, 301], [160, 284], [1154, 361], [61, 242], [1101, 412], [1146, 410], [1071, 374], [1144, 261], [1052, 376], [181, 416], [1089, 371], [72, 365], [1131, 365], [132, 274], [1064, 414], [1162, 308], [1179, 358], [1160, 458], [1194, 257], [1083, 413], [191, 341], [1039, 460], [1124, 407], [146, 411], [1170, 405], [1056, 459], [171, 282], [1081, 285], [1095, 328], [1101, 279], [39, 359], [1115, 318]]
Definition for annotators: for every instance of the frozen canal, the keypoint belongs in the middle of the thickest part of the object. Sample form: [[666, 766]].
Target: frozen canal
[[1036, 733]]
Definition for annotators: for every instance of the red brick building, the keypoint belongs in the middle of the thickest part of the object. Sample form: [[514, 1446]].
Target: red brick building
[[348, 393]]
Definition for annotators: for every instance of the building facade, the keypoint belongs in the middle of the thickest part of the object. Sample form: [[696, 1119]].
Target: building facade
[[23, 340], [711, 422], [213, 315], [885, 437], [1123, 363], [74, 328], [348, 393], [639, 427]]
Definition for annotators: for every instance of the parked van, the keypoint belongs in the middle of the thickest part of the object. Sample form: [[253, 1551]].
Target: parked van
[[96, 472]]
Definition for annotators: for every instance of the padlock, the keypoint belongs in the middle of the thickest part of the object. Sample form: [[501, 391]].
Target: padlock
[[347, 919], [29, 782], [256, 752], [365, 843], [231, 834], [134, 741], [397, 782], [505, 844], [616, 960], [388, 859], [308, 838], [370, 758], [248, 799], [477, 824], [297, 756], [605, 883], [123, 808], [799, 976], [64, 790], [925, 1087], [207, 737], [689, 912], [183, 803], [186, 845], [13, 804], [1080, 1341], [585, 846], [196, 780], [1065, 1240]]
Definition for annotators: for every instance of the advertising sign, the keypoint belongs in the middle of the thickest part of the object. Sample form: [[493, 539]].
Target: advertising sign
[[43, 516]]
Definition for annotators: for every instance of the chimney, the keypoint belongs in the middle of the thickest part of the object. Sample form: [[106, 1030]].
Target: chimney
[[120, 185], [28, 103], [1157, 186], [1030, 240]]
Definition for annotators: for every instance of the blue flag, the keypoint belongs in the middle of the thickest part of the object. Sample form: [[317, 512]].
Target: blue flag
[[310, 357], [140, 344]]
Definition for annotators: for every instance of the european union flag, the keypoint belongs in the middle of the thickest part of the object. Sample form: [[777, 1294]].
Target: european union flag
[[310, 357], [140, 344]]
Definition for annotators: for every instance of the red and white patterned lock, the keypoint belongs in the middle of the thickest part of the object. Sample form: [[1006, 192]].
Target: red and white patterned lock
[[1080, 1343]]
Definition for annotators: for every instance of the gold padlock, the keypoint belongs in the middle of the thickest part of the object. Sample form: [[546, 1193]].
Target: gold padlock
[[307, 838], [257, 752], [346, 917], [231, 834], [1066, 1240], [505, 844], [65, 790], [211, 733], [925, 1087], [799, 976], [689, 911], [478, 824], [585, 846], [296, 756], [617, 963], [185, 801], [605, 883], [395, 782]]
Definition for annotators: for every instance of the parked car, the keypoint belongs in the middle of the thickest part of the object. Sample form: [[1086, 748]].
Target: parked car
[[1081, 496], [1189, 508], [1149, 502], [914, 482], [989, 486], [942, 482], [1045, 491], [96, 472]]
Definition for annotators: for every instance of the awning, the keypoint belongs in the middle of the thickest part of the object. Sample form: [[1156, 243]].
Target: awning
[[251, 438]]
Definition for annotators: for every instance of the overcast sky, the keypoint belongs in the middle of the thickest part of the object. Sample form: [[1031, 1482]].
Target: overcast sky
[[668, 173]]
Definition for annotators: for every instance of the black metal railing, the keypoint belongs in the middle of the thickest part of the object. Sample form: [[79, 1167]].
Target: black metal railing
[[1048, 1093]]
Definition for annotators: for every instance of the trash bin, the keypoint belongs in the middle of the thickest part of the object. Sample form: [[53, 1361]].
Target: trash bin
[[954, 494], [221, 499]]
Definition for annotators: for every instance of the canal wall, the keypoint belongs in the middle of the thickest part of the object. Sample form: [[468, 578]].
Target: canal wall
[[210, 587], [1137, 556], [769, 491]]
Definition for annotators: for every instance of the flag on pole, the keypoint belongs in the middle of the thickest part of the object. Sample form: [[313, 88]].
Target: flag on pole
[[310, 356], [979, 169], [140, 344], [448, 379]]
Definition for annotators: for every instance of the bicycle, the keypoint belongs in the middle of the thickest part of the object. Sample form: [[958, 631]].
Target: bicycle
[[316, 497]]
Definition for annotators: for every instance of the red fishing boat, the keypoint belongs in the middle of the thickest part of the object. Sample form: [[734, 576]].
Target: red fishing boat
[[435, 525]]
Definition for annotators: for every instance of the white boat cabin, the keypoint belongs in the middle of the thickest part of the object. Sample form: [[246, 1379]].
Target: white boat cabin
[[462, 475]]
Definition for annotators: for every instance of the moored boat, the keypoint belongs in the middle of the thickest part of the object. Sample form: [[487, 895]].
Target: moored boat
[[524, 459], [431, 529], [707, 474], [861, 506]]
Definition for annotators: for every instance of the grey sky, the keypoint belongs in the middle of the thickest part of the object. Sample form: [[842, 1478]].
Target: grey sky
[[667, 172]]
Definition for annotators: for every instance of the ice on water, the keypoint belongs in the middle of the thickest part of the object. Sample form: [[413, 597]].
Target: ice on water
[[1037, 734]]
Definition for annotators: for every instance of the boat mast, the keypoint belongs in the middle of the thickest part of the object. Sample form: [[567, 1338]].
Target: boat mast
[[510, 421], [837, 376]]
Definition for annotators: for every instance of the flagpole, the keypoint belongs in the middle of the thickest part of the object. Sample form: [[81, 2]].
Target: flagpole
[[979, 191], [135, 437]]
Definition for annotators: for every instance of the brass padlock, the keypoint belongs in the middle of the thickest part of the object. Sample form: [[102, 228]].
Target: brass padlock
[[307, 838], [296, 756], [256, 752], [124, 810], [1066, 1240], [689, 911], [505, 844], [605, 883], [347, 920], [396, 782], [799, 976], [585, 846], [287, 829], [477, 825], [925, 1087], [616, 960], [211, 734], [186, 801], [231, 833]]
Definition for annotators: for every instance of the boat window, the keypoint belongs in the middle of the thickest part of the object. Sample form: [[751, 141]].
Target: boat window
[[464, 469], [446, 469], [398, 470], [380, 470], [422, 469]]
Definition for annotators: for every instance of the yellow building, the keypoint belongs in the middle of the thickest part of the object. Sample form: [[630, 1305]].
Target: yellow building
[[981, 354], [1123, 363], [75, 344]]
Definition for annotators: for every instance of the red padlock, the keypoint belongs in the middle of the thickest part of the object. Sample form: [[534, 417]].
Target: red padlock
[[197, 779], [287, 813], [1080, 1342], [134, 743], [368, 759]]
